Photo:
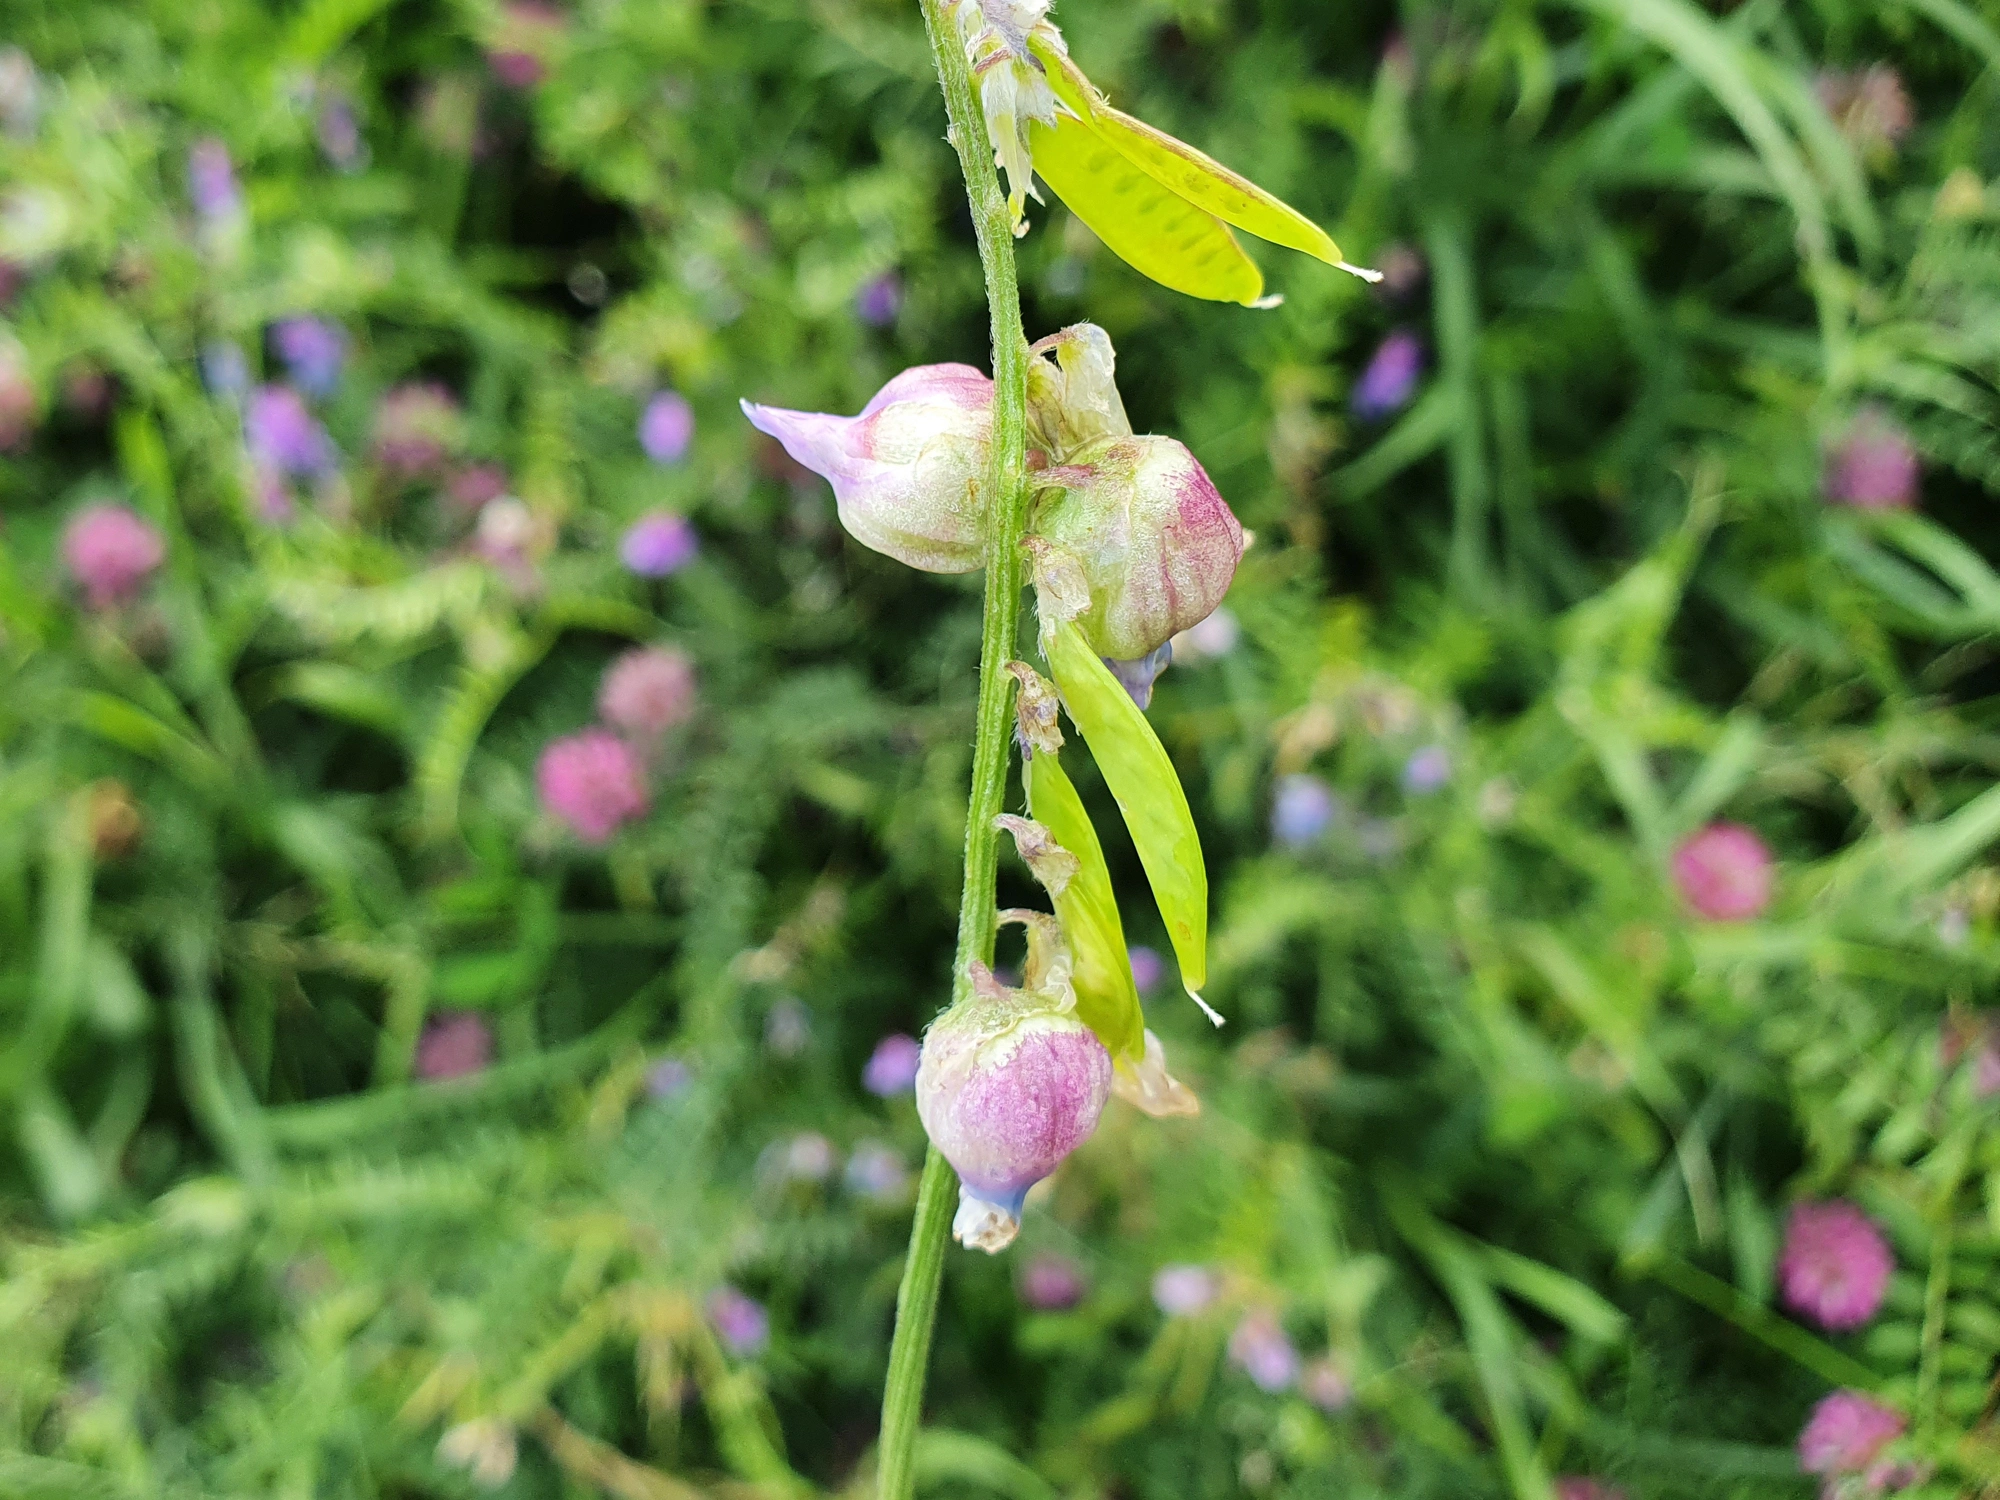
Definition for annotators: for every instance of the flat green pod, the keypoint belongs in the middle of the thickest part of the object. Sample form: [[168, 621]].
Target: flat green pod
[[1107, 999], [1141, 777]]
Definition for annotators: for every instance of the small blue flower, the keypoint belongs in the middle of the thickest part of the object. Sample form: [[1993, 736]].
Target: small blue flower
[[1304, 809], [1386, 384]]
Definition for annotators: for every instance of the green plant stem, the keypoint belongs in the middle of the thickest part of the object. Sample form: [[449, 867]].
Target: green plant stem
[[916, 1301]]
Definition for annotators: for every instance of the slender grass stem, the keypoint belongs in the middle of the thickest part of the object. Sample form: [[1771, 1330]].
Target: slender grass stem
[[916, 1301]]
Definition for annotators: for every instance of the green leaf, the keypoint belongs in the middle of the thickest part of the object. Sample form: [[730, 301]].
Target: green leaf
[[1149, 794], [1107, 1000]]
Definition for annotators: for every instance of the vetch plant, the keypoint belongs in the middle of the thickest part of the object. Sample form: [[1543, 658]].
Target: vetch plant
[[1129, 543]]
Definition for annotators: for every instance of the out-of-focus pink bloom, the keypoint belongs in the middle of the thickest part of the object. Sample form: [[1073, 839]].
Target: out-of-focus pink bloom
[[454, 1044], [1872, 466], [666, 427], [1835, 1265], [523, 42], [1148, 968], [1846, 1434], [1579, 1487], [110, 553], [1870, 106], [418, 427], [1215, 636], [878, 302], [659, 544], [20, 409], [1327, 1387], [877, 1171], [212, 180], [739, 1321], [1724, 872], [908, 472], [1390, 376], [1183, 1291], [1051, 1282], [475, 484], [647, 691], [511, 538], [807, 1157], [892, 1066], [594, 782], [282, 435], [1263, 1352], [313, 349]]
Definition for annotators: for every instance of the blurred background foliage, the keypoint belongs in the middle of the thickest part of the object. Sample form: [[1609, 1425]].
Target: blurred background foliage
[[1502, 1135]]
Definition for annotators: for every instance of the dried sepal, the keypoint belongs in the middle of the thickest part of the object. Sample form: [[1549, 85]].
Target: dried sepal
[[1050, 863], [1036, 711], [1062, 589], [1073, 398], [1144, 1083]]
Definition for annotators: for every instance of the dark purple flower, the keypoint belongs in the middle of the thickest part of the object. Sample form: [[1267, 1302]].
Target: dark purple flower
[[212, 180], [892, 1066], [1872, 466], [455, 1044], [1051, 1282], [666, 427], [740, 1322], [659, 544], [1148, 968], [313, 349], [878, 302], [1385, 385], [283, 435]]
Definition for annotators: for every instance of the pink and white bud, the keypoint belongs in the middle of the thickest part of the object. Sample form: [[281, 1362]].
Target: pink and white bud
[[1009, 1084], [909, 472], [1156, 542]]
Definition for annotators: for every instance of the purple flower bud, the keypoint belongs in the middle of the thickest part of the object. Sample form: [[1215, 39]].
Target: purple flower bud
[[668, 1078], [878, 302], [1183, 1291], [472, 486], [1835, 1266], [1427, 770], [1010, 1083], [225, 370], [1051, 1283], [647, 692], [418, 427], [1261, 1350], [1148, 968], [1724, 873], [594, 782], [659, 544], [1327, 1386], [212, 180], [1390, 377], [892, 1066], [666, 427], [313, 349], [1872, 466], [740, 1322], [1138, 677], [110, 552], [1579, 1487], [282, 435], [908, 473], [877, 1171], [454, 1044], [788, 1027], [1304, 809], [1156, 542], [1846, 1434]]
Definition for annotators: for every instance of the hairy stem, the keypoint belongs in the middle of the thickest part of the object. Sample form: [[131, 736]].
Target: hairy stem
[[916, 1302]]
